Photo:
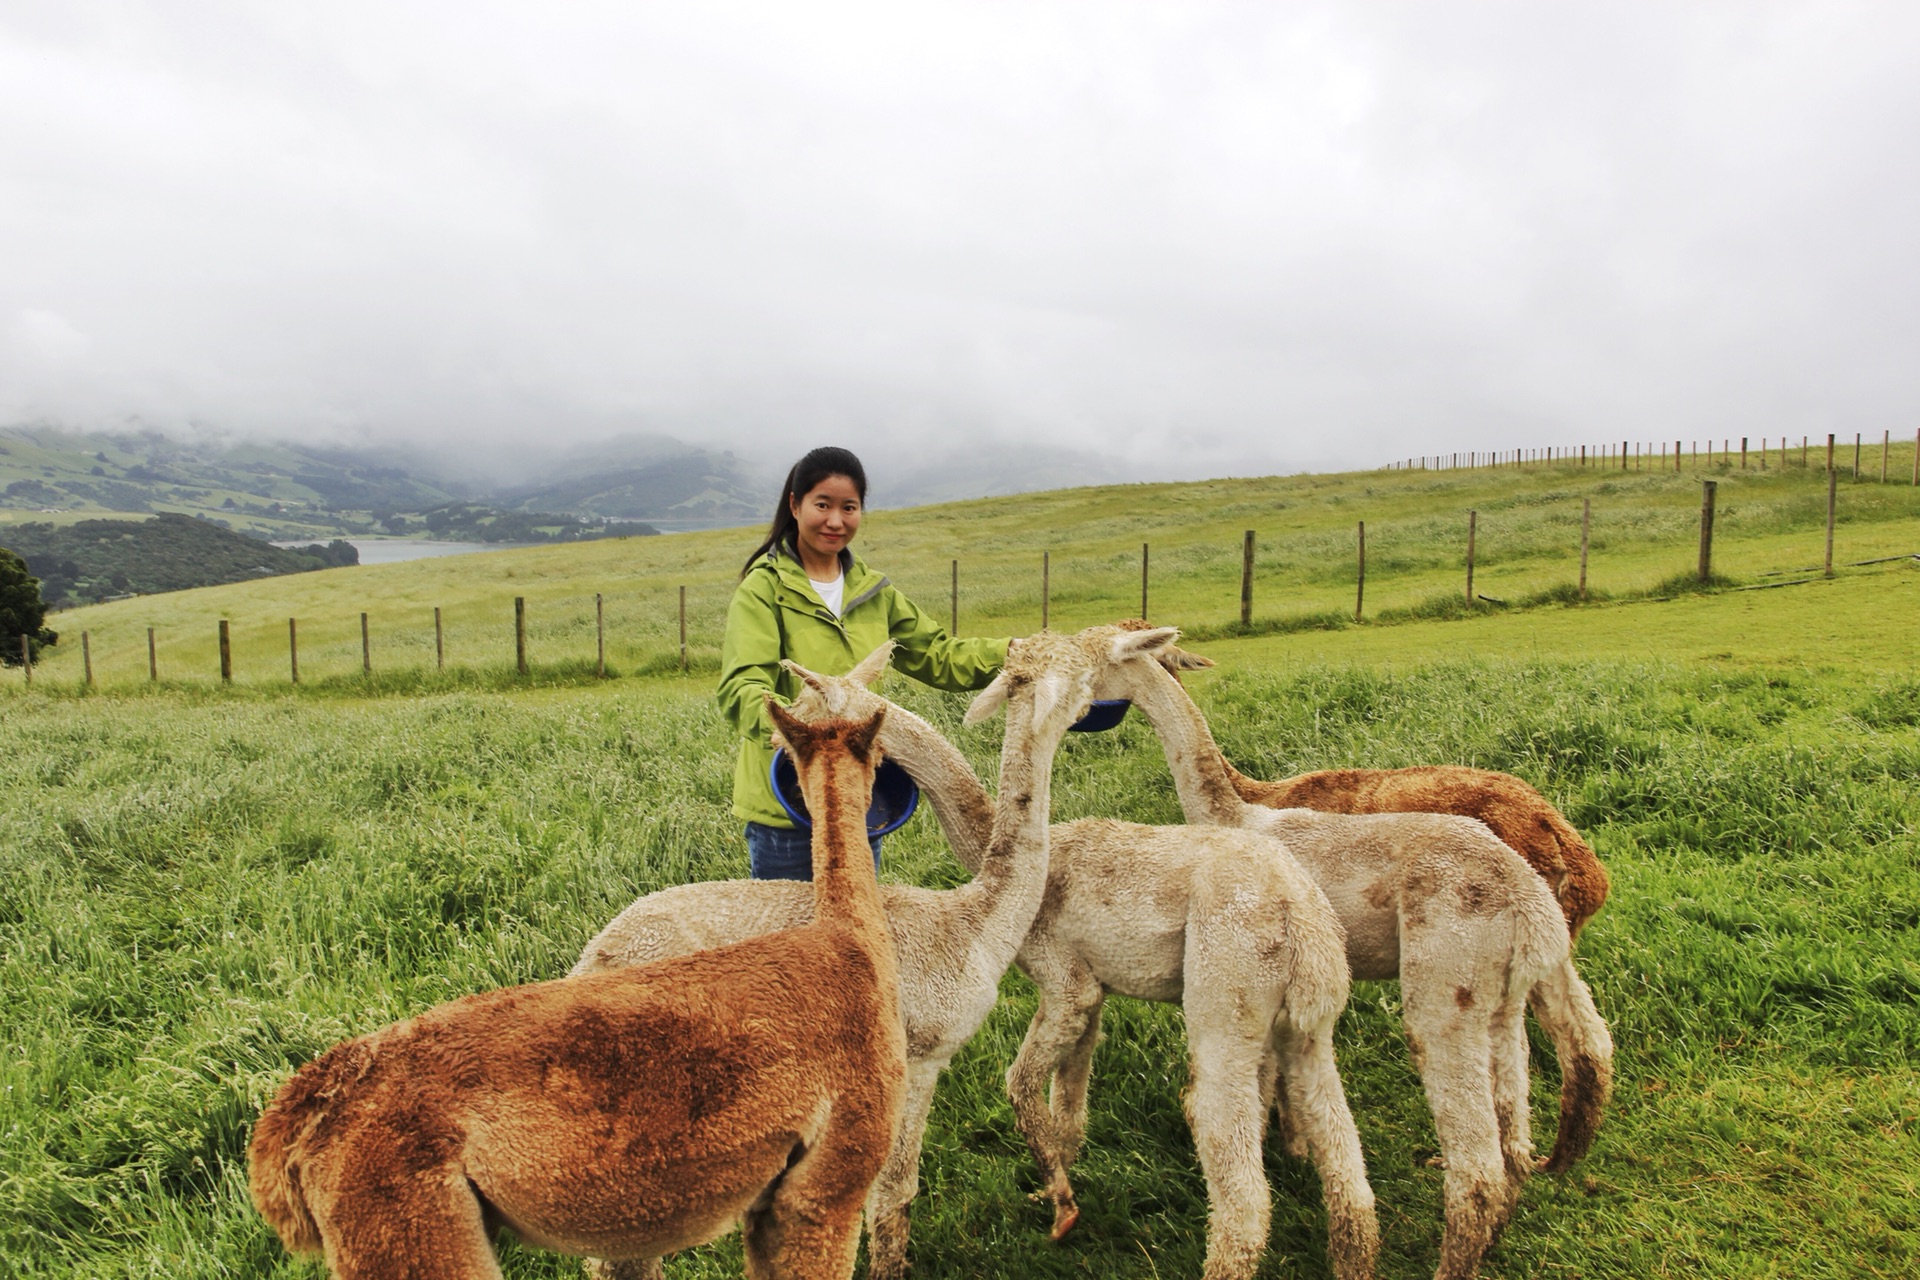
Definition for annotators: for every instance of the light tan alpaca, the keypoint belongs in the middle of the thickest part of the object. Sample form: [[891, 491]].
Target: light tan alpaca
[[626, 1114], [1519, 815], [1468, 928], [1225, 923], [1516, 814], [953, 945]]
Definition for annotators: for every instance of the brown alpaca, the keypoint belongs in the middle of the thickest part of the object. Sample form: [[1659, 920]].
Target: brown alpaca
[[626, 1114]]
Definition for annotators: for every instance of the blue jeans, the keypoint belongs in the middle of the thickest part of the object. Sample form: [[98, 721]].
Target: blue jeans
[[786, 853]]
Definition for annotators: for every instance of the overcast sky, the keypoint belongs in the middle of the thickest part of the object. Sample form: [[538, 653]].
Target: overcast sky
[[1202, 239]]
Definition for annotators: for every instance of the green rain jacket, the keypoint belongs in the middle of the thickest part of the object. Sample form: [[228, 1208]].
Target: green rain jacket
[[776, 614]]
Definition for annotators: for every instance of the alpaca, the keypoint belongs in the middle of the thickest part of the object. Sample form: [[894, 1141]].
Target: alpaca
[[626, 1114], [1520, 816], [1471, 932], [1227, 924], [953, 945]]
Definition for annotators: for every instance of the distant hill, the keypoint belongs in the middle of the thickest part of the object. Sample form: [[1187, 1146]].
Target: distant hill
[[290, 491], [95, 560]]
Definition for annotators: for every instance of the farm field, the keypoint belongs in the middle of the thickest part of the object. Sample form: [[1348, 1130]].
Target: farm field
[[201, 889]]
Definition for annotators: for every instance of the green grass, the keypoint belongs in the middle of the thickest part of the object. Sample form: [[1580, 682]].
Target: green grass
[[1644, 543], [201, 888], [200, 891]]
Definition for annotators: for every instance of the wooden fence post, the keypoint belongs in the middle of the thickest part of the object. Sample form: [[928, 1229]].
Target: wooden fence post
[[1743, 453], [226, 655], [600, 633], [153, 659], [1856, 457], [1623, 455], [86, 658], [1143, 581], [683, 628], [439, 643], [1916, 459], [1246, 580], [520, 634], [1046, 589], [1473, 530], [1360, 592], [1707, 488], [1886, 440], [26, 655], [1833, 481], [1829, 451], [366, 648], [954, 595], [1676, 456], [293, 649], [1586, 526]]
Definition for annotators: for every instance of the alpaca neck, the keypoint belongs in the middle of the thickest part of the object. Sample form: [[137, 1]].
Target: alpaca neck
[[1201, 775], [845, 891], [959, 801], [1017, 853]]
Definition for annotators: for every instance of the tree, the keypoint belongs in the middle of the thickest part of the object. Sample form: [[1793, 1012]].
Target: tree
[[21, 611]]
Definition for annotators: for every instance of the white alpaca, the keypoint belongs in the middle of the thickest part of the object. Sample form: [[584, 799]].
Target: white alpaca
[[1224, 923], [1464, 923], [953, 945]]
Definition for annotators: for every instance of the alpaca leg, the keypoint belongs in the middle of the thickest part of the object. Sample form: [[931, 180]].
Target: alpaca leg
[[415, 1228], [630, 1269], [809, 1227], [899, 1181], [1325, 1123], [1225, 1111], [1273, 1097], [1512, 1105], [1452, 1046], [1070, 999], [1067, 1100], [1581, 1041]]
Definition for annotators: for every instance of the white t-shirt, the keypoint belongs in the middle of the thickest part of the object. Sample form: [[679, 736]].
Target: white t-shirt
[[831, 593]]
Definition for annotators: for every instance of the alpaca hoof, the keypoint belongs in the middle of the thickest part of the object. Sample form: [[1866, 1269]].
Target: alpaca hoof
[[1064, 1216]]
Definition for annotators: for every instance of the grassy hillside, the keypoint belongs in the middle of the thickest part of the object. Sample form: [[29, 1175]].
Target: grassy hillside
[[1770, 526], [198, 892], [202, 888]]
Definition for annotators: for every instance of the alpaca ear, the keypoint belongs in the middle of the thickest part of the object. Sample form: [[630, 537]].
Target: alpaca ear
[[873, 666], [1133, 644], [791, 732], [1049, 691], [987, 701], [805, 675], [859, 738], [1174, 658]]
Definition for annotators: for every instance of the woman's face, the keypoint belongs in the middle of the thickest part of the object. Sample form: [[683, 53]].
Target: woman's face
[[828, 516]]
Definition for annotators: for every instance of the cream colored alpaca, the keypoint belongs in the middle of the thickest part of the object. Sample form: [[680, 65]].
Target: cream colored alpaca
[[625, 1114], [953, 945], [1469, 929], [1227, 924]]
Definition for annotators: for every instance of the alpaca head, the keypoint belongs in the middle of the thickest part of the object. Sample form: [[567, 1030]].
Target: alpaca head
[[1172, 656], [847, 696], [1050, 674], [819, 746]]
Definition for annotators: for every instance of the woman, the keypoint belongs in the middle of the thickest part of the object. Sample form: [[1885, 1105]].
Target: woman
[[803, 595]]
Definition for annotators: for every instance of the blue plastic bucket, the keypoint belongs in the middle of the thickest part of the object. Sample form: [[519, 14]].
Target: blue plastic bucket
[[895, 795], [1101, 716]]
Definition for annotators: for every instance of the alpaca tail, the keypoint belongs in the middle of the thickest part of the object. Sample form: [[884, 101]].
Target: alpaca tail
[[273, 1170], [1564, 1006]]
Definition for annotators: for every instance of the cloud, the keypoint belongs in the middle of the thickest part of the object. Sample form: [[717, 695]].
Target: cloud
[[1196, 239]]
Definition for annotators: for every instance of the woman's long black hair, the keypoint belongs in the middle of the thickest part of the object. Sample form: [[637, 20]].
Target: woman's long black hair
[[816, 465]]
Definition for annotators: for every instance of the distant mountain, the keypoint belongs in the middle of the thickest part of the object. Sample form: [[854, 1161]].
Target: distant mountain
[[290, 491], [93, 560], [991, 473]]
